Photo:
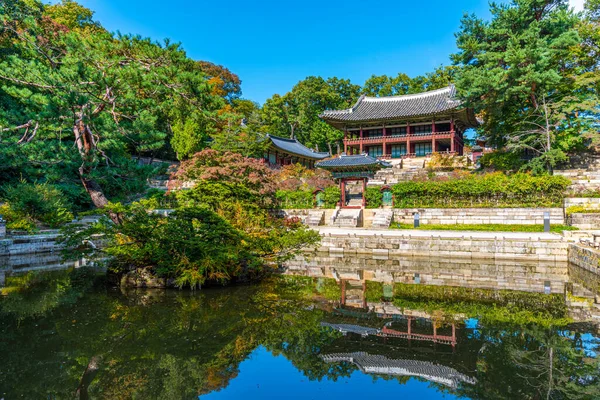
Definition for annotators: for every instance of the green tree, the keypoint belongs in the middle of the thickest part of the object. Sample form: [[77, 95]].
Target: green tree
[[383, 85], [518, 71], [296, 114], [78, 102]]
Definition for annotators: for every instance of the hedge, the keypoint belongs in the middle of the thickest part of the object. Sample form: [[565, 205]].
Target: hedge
[[305, 198], [489, 190], [295, 198], [374, 197]]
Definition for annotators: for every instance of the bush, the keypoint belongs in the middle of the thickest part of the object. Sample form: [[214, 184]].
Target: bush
[[27, 204], [374, 197], [501, 161], [332, 196], [488, 190], [296, 177], [295, 198], [447, 162], [581, 210]]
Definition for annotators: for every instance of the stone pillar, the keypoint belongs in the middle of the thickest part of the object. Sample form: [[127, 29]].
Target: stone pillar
[[433, 136], [343, 190], [2, 227]]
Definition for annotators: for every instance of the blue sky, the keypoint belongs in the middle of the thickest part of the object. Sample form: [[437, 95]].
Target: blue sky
[[273, 44]]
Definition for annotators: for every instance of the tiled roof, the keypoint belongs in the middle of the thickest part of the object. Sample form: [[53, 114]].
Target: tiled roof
[[393, 107], [293, 146], [379, 364], [359, 160]]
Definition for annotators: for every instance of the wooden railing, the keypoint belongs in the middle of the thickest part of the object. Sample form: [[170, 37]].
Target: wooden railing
[[412, 155], [399, 138]]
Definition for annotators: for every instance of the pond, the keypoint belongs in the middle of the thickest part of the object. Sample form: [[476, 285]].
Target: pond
[[287, 337]]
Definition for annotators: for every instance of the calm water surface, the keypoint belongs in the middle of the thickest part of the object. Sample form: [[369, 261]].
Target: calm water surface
[[285, 338]]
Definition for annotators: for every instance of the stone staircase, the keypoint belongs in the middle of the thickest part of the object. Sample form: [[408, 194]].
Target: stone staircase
[[583, 171], [347, 217], [383, 218], [315, 218], [354, 194], [581, 179], [405, 171]]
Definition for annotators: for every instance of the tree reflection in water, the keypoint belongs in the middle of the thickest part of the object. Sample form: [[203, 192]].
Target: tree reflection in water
[[62, 337]]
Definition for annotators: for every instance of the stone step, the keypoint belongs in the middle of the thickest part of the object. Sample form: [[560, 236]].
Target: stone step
[[348, 217], [315, 218], [383, 218]]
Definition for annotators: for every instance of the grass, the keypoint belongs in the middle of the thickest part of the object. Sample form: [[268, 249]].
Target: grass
[[485, 227]]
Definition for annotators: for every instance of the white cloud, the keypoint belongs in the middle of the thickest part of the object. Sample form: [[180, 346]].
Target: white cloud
[[577, 5]]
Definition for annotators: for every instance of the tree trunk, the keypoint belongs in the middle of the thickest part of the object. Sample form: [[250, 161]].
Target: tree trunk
[[85, 144], [88, 376], [550, 367]]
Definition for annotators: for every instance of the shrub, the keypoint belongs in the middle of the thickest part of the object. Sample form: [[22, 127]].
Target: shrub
[[296, 177], [374, 197], [192, 246], [501, 161], [488, 190], [447, 162], [39, 202], [332, 196], [581, 210], [305, 198], [295, 198]]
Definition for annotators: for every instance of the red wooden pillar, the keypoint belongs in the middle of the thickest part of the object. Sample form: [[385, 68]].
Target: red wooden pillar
[[453, 335], [452, 134], [364, 294], [433, 136], [384, 141], [434, 332], [361, 140], [346, 141], [364, 199], [343, 299], [407, 138]]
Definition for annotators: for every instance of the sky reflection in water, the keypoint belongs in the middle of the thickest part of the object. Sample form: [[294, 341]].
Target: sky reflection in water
[[285, 338]]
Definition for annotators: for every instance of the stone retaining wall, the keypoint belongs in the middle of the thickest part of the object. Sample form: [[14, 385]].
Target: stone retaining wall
[[585, 257], [587, 202], [444, 271], [552, 249], [451, 216], [584, 220], [29, 244]]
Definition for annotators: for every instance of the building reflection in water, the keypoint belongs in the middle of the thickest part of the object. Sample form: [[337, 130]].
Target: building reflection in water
[[374, 324]]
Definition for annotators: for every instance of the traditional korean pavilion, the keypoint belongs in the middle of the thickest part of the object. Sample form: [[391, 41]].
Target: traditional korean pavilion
[[352, 168], [404, 126], [284, 151]]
